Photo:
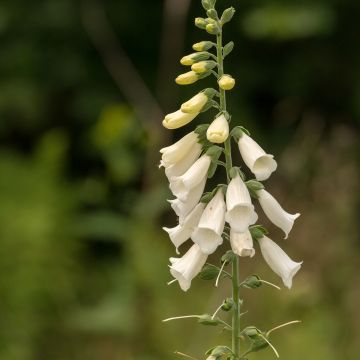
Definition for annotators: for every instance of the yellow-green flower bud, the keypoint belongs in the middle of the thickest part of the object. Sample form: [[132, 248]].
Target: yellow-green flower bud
[[177, 119], [195, 104], [212, 28], [203, 46], [187, 78], [218, 131], [203, 66], [200, 23], [226, 82], [194, 57]]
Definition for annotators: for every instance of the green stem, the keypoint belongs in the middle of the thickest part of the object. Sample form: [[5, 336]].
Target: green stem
[[235, 265]]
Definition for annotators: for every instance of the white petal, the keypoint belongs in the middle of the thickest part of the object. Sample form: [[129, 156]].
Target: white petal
[[276, 214], [172, 154], [255, 158], [180, 233], [240, 211], [279, 261], [177, 119], [180, 167], [181, 185], [208, 234], [184, 269], [242, 243]]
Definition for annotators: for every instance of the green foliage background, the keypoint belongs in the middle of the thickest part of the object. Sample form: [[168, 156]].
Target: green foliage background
[[83, 259]]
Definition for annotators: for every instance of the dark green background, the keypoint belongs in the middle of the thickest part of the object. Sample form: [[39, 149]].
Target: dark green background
[[83, 259]]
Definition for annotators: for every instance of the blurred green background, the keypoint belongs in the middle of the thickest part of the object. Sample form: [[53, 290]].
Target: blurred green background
[[83, 259]]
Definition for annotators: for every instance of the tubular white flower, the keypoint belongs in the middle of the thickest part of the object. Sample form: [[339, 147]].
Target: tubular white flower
[[184, 164], [279, 261], [180, 233], [183, 208], [184, 269], [276, 214], [177, 151], [177, 119], [255, 158], [182, 185], [240, 211], [242, 243], [208, 234], [218, 131], [195, 104]]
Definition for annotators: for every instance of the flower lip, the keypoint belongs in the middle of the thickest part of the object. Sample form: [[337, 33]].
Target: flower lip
[[264, 166]]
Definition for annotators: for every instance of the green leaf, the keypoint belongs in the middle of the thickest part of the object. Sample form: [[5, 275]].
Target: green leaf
[[228, 257], [252, 282], [254, 186], [228, 48], [209, 272], [207, 319], [258, 231]]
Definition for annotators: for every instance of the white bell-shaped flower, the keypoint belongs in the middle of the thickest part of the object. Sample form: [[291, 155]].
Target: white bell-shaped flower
[[178, 119], [276, 214], [184, 269], [278, 260], [240, 211], [182, 185], [182, 232], [218, 131], [180, 167], [208, 234], [242, 243], [182, 209], [177, 151], [255, 158]]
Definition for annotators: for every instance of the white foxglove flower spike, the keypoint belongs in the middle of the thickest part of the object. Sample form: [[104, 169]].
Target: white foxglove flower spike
[[182, 232], [177, 151], [184, 269], [240, 211], [276, 214], [218, 131], [255, 158], [178, 119], [180, 167], [278, 260], [183, 208], [182, 185], [208, 234], [242, 243]]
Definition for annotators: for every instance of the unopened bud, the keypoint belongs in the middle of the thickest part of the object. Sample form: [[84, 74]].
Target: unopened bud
[[227, 15], [194, 57], [187, 78], [200, 23], [218, 130], [203, 66], [212, 28], [203, 46], [195, 104], [226, 82]]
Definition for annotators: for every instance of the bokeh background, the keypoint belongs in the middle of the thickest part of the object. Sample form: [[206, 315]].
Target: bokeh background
[[83, 259]]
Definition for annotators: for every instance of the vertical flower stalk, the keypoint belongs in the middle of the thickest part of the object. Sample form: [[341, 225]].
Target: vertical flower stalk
[[202, 216]]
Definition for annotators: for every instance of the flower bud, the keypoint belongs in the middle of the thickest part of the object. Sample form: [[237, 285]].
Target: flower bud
[[218, 131], [194, 57], [200, 23], [177, 119], [226, 82], [203, 46], [203, 66], [227, 15], [187, 78], [195, 104], [212, 28]]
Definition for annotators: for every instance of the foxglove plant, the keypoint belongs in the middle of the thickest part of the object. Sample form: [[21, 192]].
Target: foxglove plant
[[225, 212]]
